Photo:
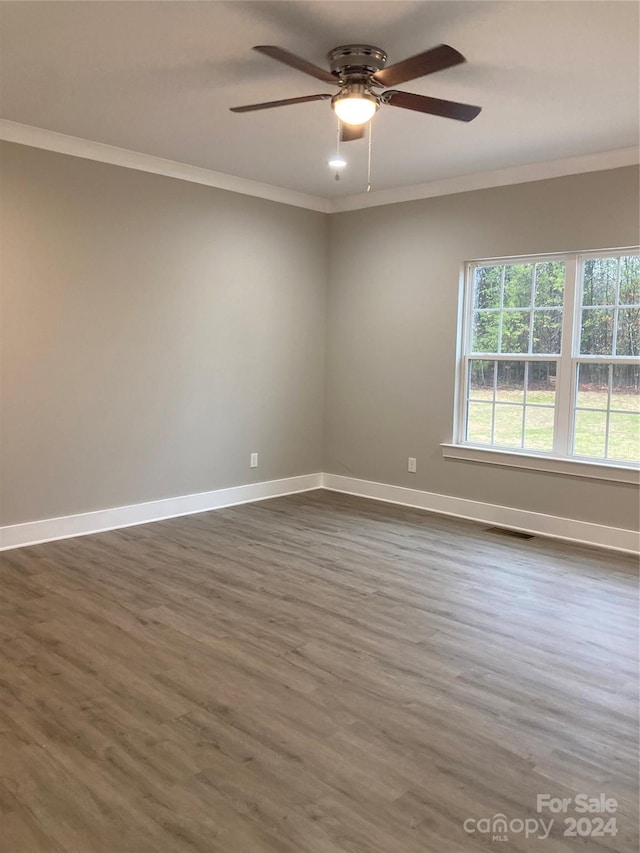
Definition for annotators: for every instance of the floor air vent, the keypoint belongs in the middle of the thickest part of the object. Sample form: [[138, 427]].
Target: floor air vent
[[512, 534]]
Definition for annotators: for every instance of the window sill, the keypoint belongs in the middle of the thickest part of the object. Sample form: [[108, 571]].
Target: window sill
[[542, 462]]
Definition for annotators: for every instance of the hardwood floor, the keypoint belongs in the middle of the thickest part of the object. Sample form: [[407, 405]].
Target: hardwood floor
[[312, 674]]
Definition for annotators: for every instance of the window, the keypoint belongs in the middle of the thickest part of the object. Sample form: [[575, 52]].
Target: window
[[550, 356]]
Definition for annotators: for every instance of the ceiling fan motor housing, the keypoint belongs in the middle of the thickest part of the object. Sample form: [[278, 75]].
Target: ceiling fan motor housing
[[356, 59]]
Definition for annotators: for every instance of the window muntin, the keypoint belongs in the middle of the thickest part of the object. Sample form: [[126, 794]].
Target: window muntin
[[550, 361], [607, 411], [610, 319], [517, 308], [511, 403]]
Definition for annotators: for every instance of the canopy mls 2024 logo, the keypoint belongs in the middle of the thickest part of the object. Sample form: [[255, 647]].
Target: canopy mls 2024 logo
[[593, 817]]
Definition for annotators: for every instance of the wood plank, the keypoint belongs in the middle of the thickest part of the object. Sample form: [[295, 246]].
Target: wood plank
[[311, 674]]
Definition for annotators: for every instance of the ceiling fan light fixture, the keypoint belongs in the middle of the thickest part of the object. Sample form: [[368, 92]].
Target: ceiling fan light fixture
[[355, 107], [357, 69]]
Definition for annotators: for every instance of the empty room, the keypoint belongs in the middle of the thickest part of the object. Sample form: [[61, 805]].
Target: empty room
[[319, 426]]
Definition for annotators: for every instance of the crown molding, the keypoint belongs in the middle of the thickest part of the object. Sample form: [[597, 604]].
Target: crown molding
[[485, 180], [62, 143], [37, 137]]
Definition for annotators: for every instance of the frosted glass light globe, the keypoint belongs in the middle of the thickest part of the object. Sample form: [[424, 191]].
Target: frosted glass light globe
[[355, 109]]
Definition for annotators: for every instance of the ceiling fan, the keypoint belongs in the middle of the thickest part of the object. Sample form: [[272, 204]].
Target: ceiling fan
[[359, 69]]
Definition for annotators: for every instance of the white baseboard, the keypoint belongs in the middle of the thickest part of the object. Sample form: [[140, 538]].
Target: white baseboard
[[48, 529], [569, 529]]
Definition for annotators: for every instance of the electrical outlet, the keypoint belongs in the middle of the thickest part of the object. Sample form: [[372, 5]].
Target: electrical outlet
[[254, 460], [412, 468]]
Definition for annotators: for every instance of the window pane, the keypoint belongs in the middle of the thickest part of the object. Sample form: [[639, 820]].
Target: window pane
[[625, 387], [590, 433], [481, 379], [624, 437], [593, 386], [510, 385], [515, 332], [518, 315], [549, 284], [599, 281], [630, 279], [518, 279], [508, 426], [541, 385], [539, 429], [485, 331], [628, 340], [487, 287], [597, 331], [547, 331], [479, 422]]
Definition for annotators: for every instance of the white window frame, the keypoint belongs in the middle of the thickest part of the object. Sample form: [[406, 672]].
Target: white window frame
[[561, 458]]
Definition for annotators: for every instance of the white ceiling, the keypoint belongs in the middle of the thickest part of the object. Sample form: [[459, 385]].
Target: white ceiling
[[555, 79]]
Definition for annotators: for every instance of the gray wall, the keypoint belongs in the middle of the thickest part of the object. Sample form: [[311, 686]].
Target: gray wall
[[154, 333], [391, 334]]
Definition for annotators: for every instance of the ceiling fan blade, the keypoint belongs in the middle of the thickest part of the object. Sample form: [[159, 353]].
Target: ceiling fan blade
[[436, 59], [348, 133], [282, 55], [269, 104], [432, 106]]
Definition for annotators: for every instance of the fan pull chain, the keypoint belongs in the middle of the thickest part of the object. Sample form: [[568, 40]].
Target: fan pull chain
[[337, 177], [369, 160]]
